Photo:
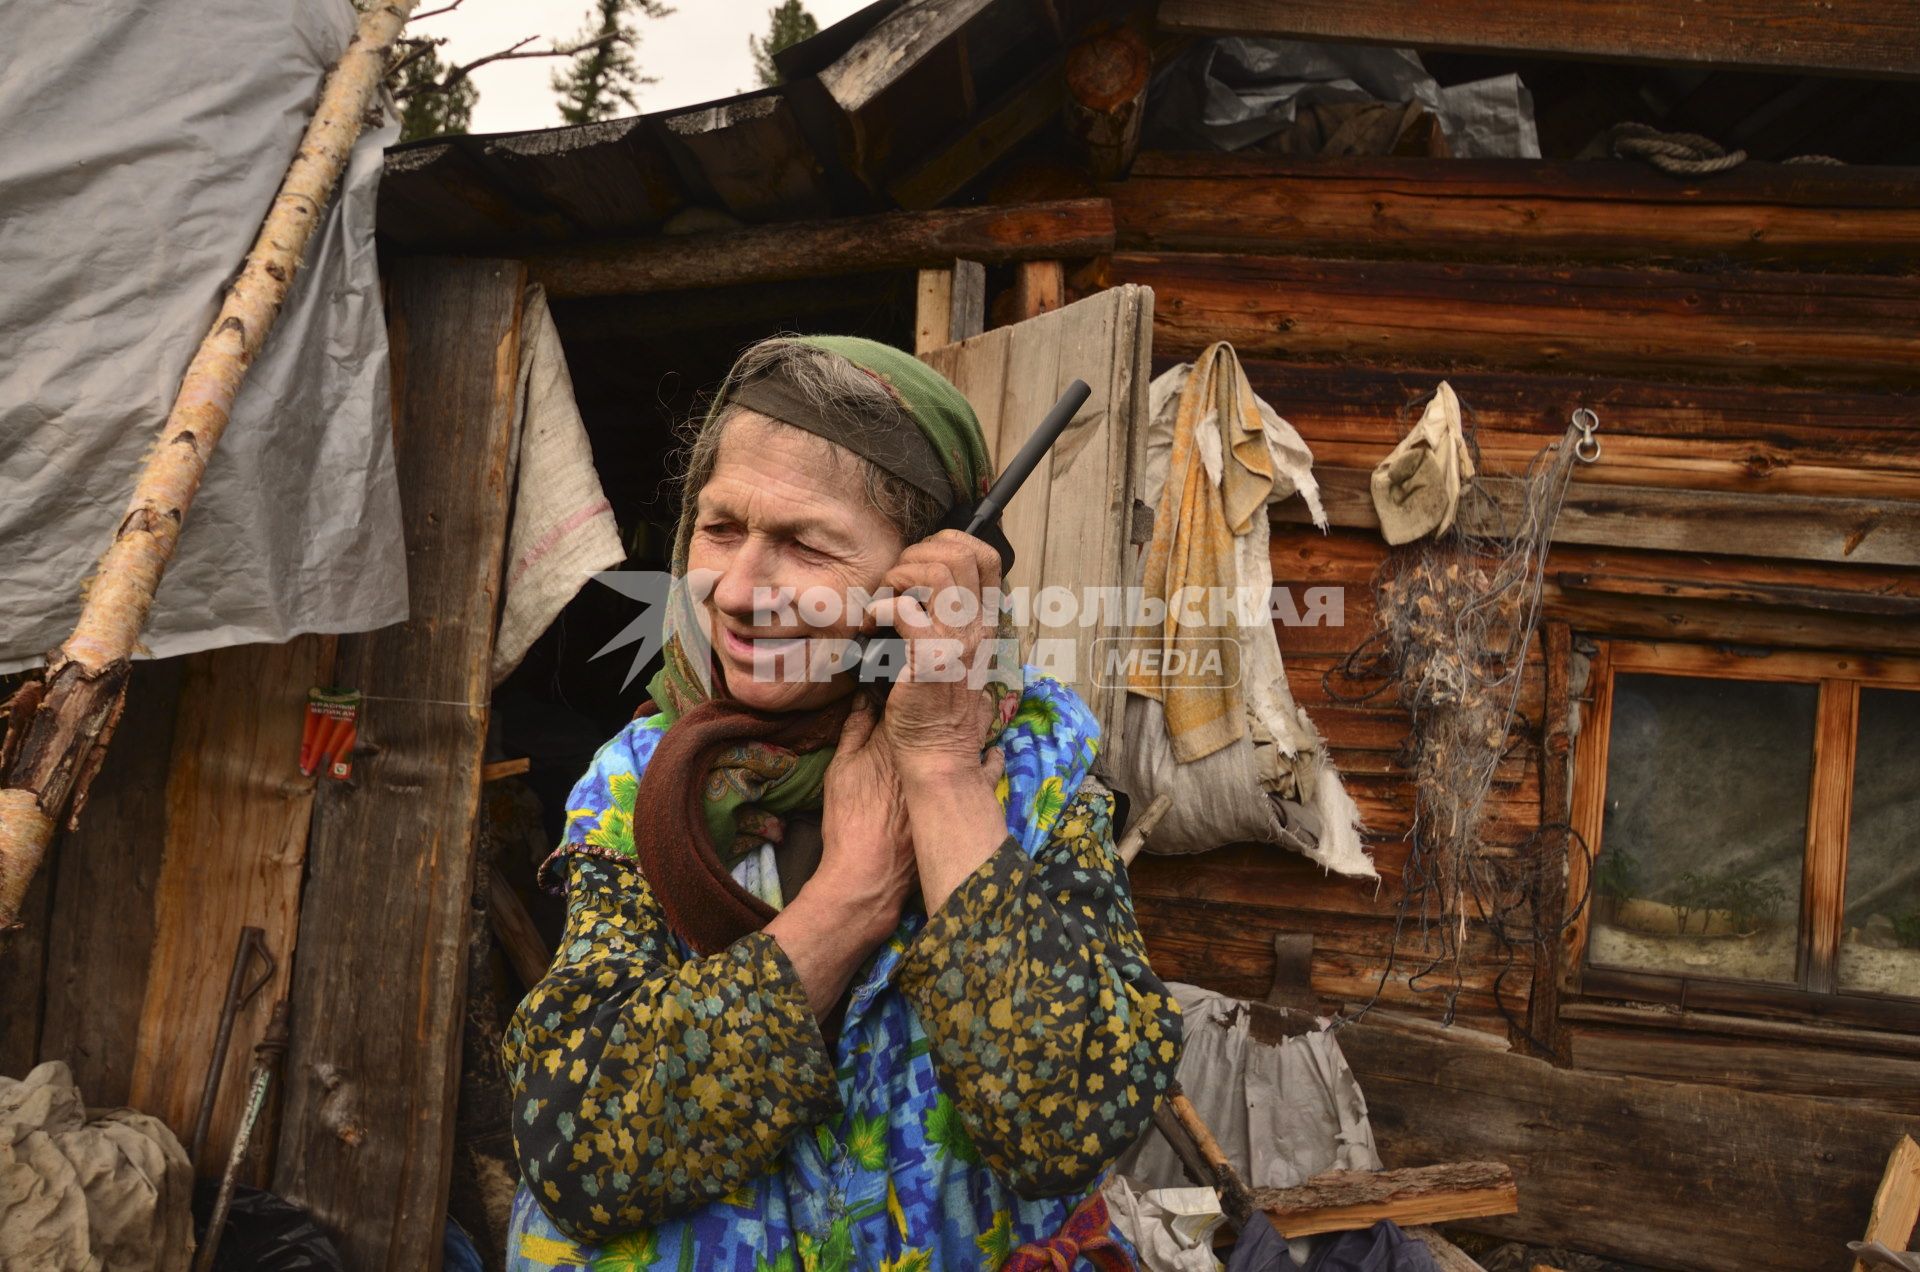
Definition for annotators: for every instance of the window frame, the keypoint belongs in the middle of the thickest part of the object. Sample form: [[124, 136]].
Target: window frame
[[1816, 994]]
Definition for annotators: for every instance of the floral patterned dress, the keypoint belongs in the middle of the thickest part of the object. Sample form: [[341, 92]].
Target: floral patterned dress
[[676, 1112]]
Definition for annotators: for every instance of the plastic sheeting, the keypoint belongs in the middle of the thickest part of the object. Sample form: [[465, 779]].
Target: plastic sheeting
[[142, 143], [1229, 94]]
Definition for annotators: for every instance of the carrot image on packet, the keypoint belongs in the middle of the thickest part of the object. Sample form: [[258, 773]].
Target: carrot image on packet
[[327, 738]]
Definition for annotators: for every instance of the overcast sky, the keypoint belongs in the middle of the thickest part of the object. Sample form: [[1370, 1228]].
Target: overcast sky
[[698, 53]]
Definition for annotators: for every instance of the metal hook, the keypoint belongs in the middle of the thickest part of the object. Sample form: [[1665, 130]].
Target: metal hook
[[1587, 449]]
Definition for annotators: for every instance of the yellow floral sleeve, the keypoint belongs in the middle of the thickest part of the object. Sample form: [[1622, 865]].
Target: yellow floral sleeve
[[1049, 1030]]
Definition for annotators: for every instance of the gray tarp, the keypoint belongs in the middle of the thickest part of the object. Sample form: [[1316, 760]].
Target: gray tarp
[[141, 142]]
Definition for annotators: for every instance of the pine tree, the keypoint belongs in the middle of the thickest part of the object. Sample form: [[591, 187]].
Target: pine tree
[[791, 23], [603, 77], [428, 107]]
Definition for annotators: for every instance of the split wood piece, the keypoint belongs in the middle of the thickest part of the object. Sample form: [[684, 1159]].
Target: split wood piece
[[1136, 836], [526, 950], [78, 701], [818, 249], [1340, 1200], [1447, 1256], [1790, 216], [505, 768], [369, 1113], [1848, 37], [236, 826], [1107, 76], [1896, 1206]]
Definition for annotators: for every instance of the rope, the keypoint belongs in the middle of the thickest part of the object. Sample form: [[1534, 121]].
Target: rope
[[1685, 154]]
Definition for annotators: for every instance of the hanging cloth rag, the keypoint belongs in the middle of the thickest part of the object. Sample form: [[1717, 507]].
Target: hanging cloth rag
[[1220, 473], [1272, 783], [1416, 489], [563, 531]]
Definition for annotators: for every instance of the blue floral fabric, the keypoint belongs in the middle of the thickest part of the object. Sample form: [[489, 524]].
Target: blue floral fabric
[[674, 1112]]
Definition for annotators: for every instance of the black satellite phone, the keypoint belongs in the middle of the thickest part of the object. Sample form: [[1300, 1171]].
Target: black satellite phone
[[886, 650]]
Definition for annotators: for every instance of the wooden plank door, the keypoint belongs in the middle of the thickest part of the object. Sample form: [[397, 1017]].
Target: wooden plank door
[[1070, 525]]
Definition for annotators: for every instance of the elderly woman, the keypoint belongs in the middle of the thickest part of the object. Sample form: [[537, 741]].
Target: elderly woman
[[841, 987]]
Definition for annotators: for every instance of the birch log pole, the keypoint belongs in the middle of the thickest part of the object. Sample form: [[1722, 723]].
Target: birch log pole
[[58, 726]]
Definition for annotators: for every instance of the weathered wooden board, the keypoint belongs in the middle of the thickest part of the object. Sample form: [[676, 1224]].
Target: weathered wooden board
[[1795, 216], [378, 984], [1757, 327], [1702, 1178], [751, 153], [103, 905], [237, 816], [821, 249], [1845, 36], [1069, 525]]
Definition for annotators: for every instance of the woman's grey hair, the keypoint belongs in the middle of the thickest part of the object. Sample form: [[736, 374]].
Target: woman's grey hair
[[835, 388]]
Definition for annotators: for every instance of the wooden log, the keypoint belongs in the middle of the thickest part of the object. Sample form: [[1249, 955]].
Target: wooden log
[[66, 736], [1829, 1069], [379, 987], [1896, 1206], [1790, 215], [1791, 527], [1692, 1177], [102, 918], [1643, 1019], [819, 249], [1107, 74], [1847, 37], [1759, 328], [1765, 429], [1341, 1200], [237, 817]]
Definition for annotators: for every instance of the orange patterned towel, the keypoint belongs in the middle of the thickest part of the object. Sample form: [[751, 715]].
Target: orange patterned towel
[[1195, 675]]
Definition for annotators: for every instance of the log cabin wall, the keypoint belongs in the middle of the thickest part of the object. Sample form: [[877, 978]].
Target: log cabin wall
[[1748, 342]]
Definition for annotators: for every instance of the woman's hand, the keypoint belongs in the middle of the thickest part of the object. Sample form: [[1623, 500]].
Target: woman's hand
[[866, 857], [936, 717]]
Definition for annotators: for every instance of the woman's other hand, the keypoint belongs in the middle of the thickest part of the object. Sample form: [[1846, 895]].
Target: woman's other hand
[[937, 717], [866, 858]]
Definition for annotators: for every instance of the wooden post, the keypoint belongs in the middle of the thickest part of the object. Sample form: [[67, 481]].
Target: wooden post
[[933, 311], [1040, 287], [1107, 76], [58, 732], [1550, 885], [378, 989], [969, 307], [236, 825]]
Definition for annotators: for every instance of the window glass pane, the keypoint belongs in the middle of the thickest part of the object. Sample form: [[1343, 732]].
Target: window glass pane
[[1705, 828], [1880, 947]]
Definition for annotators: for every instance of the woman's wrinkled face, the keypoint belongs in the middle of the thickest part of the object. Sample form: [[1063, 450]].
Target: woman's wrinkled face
[[782, 526]]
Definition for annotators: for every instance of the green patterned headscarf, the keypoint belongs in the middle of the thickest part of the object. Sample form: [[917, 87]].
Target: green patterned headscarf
[[752, 785]]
